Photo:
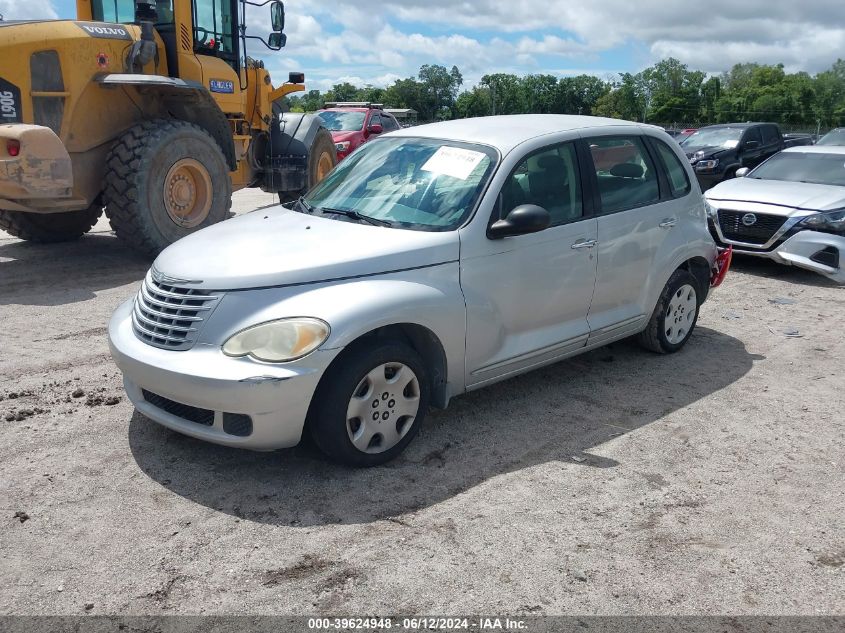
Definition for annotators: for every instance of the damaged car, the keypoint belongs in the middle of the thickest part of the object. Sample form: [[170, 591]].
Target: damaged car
[[790, 209]]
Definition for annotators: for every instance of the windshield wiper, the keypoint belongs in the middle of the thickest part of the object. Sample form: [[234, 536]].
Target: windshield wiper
[[306, 208], [357, 216]]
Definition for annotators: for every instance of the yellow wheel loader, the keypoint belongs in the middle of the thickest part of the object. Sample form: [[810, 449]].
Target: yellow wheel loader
[[150, 109]]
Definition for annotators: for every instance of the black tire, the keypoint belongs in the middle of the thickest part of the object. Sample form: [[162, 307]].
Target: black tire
[[135, 182], [327, 423], [323, 145], [654, 337], [51, 227]]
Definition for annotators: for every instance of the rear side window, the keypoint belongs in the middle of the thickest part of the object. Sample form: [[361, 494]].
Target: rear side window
[[679, 184], [550, 179], [625, 174]]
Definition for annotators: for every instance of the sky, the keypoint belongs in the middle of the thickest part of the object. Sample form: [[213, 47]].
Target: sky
[[378, 42]]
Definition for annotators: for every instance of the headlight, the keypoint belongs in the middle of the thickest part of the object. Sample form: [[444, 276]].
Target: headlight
[[278, 341], [710, 209], [827, 221], [707, 165], [342, 146]]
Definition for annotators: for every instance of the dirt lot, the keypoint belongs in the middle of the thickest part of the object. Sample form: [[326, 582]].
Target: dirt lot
[[710, 481]]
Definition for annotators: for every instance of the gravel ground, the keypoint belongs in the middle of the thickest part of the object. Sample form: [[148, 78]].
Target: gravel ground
[[618, 482]]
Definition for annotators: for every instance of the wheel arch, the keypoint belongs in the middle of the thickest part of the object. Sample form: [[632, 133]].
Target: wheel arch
[[423, 341], [168, 97], [699, 268]]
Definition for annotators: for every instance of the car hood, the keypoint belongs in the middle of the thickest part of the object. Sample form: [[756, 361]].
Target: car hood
[[279, 247], [793, 195], [345, 135]]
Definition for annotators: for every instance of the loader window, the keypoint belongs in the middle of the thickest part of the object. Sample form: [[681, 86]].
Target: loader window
[[118, 11], [214, 28]]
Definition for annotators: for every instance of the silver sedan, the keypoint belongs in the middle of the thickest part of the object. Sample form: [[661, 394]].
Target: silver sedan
[[790, 209], [432, 261]]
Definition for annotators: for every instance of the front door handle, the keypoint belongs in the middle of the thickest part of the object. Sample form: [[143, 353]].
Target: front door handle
[[584, 244], [668, 223]]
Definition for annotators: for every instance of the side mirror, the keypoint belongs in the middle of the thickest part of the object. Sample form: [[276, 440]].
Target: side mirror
[[752, 144], [376, 128], [277, 16], [526, 218], [276, 41], [742, 172]]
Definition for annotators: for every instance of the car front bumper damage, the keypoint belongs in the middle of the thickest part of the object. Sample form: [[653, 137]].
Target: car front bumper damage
[[205, 394]]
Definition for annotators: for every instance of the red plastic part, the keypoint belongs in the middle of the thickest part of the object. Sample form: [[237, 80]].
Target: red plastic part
[[13, 148], [721, 266]]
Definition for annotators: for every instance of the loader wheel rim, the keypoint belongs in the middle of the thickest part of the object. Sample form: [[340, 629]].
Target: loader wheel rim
[[324, 165], [187, 193]]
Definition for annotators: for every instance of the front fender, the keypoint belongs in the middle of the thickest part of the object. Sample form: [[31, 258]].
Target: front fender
[[429, 297]]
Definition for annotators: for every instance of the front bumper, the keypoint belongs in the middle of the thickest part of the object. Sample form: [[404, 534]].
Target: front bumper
[[806, 249], [276, 397]]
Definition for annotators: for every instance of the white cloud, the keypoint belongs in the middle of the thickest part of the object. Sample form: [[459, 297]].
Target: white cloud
[[31, 9]]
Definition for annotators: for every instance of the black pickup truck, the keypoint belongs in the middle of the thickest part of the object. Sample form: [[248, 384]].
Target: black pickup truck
[[717, 151]]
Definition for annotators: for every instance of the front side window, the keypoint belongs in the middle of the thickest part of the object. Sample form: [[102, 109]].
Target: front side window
[[753, 135], [823, 169], [549, 179], [679, 183], [770, 135], [625, 174], [413, 183], [342, 121]]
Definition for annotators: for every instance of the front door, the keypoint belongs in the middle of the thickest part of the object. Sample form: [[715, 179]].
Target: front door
[[528, 296]]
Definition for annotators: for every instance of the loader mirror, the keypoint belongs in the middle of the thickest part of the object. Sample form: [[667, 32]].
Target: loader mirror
[[277, 17], [277, 41], [296, 78]]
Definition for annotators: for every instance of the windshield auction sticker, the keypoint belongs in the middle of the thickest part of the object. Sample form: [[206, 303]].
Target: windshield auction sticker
[[453, 161]]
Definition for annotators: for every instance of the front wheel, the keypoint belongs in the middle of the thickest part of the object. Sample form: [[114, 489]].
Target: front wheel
[[370, 404], [674, 316]]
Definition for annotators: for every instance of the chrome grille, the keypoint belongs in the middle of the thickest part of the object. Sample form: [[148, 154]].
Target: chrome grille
[[760, 232], [170, 316]]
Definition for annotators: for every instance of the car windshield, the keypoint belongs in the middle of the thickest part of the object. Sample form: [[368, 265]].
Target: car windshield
[[413, 183], [823, 169], [715, 137], [834, 137], [343, 121]]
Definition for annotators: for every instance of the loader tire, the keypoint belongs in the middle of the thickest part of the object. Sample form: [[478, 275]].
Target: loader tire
[[50, 227], [165, 179]]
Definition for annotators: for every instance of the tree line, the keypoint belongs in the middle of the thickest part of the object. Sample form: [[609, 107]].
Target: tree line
[[667, 93]]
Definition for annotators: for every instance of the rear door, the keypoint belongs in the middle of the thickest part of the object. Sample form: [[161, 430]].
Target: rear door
[[634, 221]]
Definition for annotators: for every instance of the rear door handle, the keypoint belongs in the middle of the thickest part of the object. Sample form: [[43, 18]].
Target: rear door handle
[[668, 223], [584, 244]]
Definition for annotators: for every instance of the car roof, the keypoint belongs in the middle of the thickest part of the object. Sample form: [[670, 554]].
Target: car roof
[[817, 149], [505, 132]]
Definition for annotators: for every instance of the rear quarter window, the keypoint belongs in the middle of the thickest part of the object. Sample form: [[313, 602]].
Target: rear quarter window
[[676, 175]]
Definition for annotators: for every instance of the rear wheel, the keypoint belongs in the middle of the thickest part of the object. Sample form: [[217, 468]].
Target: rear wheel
[[165, 180], [51, 227], [674, 316], [370, 404]]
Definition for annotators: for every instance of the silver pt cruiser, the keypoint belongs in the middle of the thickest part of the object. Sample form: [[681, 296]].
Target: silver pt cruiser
[[433, 261]]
